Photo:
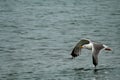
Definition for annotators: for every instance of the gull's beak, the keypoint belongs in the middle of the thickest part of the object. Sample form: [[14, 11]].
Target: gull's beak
[[81, 46]]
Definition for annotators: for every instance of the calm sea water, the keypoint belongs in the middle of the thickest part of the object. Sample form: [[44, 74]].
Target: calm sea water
[[37, 37]]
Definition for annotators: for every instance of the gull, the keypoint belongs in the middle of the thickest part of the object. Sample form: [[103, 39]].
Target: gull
[[95, 47]]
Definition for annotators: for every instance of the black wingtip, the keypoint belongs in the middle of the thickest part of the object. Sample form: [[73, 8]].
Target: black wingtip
[[94, 61], [74, 53]]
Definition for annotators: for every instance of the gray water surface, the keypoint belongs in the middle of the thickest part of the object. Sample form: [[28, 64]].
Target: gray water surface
[[37, 37]]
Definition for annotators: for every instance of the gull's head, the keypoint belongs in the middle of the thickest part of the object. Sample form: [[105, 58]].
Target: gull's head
[[83, 46], [87, 46], [84, 43]]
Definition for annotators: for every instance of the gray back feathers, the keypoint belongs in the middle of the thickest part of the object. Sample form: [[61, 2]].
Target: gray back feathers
[[97, 47]]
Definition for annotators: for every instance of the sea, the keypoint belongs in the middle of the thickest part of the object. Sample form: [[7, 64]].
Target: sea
[[38, 36]]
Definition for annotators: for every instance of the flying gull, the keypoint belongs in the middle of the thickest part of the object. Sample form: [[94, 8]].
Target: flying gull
[[90, 45]]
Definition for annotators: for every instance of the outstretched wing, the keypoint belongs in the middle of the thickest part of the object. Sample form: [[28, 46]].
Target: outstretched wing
[[95, 51], [77, 49]]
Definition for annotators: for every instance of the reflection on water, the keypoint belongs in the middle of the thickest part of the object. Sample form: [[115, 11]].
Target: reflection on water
[[93, 74], [37, 37]]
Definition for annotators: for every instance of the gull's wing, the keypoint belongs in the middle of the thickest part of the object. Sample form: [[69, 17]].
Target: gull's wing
[[77, 49], [95, 51]]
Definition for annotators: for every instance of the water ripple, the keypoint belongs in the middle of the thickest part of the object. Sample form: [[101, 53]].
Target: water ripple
[[37, 37]]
